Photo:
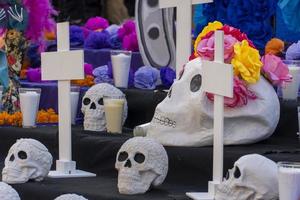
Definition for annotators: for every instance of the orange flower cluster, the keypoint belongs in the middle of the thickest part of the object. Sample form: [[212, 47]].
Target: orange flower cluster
[[11, 120], [47, 116], [88, 81]]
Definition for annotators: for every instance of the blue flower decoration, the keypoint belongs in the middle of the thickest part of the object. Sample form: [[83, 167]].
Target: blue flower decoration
[[167, 75]]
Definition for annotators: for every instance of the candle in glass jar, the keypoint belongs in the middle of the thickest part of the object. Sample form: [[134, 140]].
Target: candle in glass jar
[[121, 66], [29, 107]]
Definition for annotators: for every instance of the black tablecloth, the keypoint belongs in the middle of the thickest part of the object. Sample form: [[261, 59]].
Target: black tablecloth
[[189, 168]]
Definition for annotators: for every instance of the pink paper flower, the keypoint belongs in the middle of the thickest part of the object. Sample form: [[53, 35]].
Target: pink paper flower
[[275, 70], [88, 69], [206, 46], [241, 95]]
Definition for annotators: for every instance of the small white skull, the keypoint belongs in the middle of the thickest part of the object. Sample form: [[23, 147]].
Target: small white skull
[[141, 162], [185, 116], [7, 192], [70, 197], [27, 159], [93, 106], [253, 177]]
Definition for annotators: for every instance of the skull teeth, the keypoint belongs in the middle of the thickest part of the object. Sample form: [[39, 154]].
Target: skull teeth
[[165, 121]]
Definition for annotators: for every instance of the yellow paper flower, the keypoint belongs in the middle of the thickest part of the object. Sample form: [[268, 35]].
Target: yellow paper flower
[[212, 26], [246, 62]]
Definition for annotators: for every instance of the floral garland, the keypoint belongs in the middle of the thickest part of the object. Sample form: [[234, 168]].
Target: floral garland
[[43, 117], [245, 59]]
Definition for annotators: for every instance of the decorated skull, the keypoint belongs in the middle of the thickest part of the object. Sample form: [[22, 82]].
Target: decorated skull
[[27, 159], [185, 116], [93, 106], [141, 162], [70, 197], [7, 192], [253, 177]]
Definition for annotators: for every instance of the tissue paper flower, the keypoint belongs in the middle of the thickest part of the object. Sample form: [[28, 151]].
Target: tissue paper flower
[[34, 75], [127, 28], [246, 62], [293, 52], [146, 77], [206, 47], [88, 69], [113, 29], [236, 33], [96, 24], [130, 42], [275, 70], [76, 35], [167, 75], [102, 75], [241, 94], [97, 40], [115, 42], [275, 46]]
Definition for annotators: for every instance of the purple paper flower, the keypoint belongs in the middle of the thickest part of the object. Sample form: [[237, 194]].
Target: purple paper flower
[[88, 69], [102, 75], [130, 42], [113, 29], [127, 28], [115, 42], [146, 77], [293, 52], [76, 34], [167, 75], [34, 75], [97, 40]]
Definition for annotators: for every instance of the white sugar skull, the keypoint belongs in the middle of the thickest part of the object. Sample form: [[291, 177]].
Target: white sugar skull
[[93, 106], [27, 159], [253, 177], [70, 197], [7, 192], [184, 117], [142, 163]]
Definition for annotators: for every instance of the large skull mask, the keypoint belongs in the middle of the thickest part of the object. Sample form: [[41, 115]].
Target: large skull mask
[[27, 159], [184, 117], [253, 177], [93, 106], [141, 162], [7, 192]]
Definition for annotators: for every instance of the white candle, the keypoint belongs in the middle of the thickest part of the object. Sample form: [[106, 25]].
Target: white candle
[[290, 90], [289, 183], [114, 114], [29, 107], [121, 66], [74, 105]]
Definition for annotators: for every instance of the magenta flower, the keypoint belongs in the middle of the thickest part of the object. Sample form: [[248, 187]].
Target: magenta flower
[[275, 70], [241, 95], [206, 47]]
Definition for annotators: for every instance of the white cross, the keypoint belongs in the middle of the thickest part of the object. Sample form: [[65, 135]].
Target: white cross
[[217, 78], [184, 28], [63, 66]]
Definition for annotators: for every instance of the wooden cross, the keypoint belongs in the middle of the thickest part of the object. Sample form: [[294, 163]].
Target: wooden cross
[[63, 66], [184, 28], [217, 78]]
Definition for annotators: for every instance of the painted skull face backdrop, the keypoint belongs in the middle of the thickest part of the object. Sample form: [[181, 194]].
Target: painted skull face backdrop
[[185, 116]]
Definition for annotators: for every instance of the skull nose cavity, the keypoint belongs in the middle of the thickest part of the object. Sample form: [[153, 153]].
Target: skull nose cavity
[[12, 158], [93, 106], [128, 164]]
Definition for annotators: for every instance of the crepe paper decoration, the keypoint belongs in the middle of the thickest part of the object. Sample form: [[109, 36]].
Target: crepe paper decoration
[[97, 40], [275, 46], [76, 34], [34, 75], [167, 75], [88, 69], [146, 77], [113, 29], [102, 75], [241, 95], [293, 52], [96, 24], [275, 70]]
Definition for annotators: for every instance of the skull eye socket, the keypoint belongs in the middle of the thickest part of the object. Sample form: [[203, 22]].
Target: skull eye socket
[[170, 93], [139, 158], [86, 101], [100, 102], [122, 156], [196, 83], [237, 173], [22, 155], [227, 175], [12, 158]]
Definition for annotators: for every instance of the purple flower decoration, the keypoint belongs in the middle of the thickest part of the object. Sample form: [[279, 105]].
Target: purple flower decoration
[[293, 52], [76, 34], [88, 69], [102, 75], [96, 23], [146, 77], [34, 75], [97, 40], [127, 28], [130, 42], [113, 29], [115, 42], [167, 76]]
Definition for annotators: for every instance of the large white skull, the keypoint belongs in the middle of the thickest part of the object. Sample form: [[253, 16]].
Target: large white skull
[[184, 117], [93, 107], [7, 192], [253, 177], [70, 197], [27, 159], [141, 162]]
